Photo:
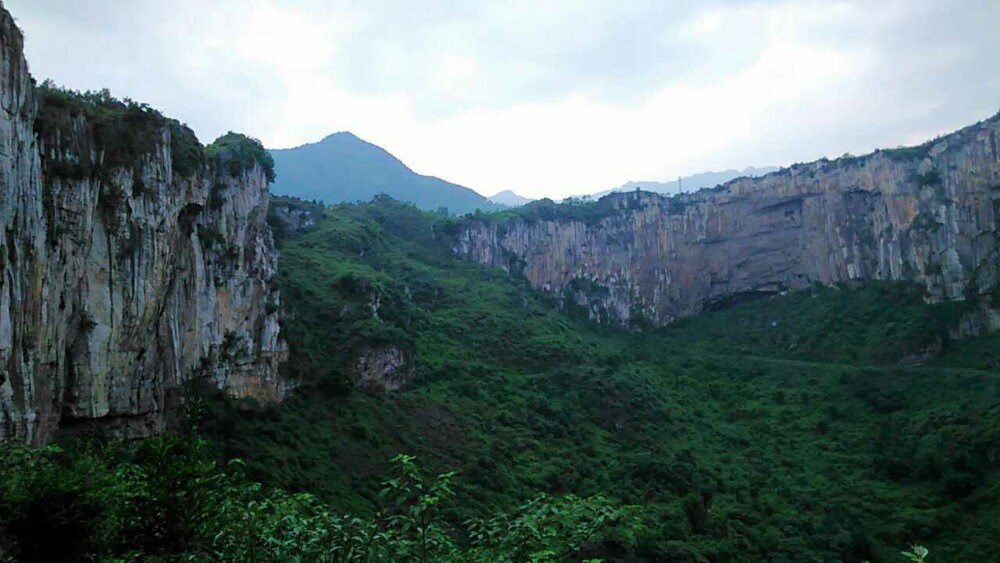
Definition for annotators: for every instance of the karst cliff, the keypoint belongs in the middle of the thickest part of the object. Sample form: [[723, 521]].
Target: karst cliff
[[926, 214], [132, 260]]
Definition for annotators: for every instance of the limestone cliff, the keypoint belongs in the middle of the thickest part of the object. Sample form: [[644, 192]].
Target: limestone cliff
[[131, 261], [927, 214]]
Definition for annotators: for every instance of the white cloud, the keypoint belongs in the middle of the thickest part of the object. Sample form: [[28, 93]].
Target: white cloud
[[547, 97]]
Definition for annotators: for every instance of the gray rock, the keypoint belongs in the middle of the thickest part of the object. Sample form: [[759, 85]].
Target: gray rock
[[928, 214], [295, 218], [117, 288]]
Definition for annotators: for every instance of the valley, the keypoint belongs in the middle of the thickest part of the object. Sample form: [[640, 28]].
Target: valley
[[783, 419], [220, 352]]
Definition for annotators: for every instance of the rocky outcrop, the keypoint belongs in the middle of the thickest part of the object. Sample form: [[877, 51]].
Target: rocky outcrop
[[294, 214], [130, 263], [928, 214], [381, 369]]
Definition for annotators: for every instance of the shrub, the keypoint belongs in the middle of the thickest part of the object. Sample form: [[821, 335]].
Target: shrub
[[901, 154], [209, 236], [120, 130], [236, 153], [215, 198], [930, 178], [186, 152]]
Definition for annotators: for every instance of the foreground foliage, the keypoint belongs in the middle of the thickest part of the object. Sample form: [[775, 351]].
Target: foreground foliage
[[166, 498]]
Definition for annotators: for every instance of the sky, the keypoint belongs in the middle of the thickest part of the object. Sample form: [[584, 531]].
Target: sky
[[547, 98]]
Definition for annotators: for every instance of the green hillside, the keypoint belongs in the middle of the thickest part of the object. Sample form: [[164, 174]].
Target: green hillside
[[780, 429], [342, 168]]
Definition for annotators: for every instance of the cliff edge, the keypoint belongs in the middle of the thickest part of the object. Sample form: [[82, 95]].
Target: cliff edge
[[132, 259], [925, 214]]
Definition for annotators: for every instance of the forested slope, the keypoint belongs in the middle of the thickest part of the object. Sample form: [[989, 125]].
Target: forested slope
[[779, 429]]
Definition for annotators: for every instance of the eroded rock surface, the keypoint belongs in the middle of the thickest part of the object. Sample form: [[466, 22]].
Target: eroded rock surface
[[382, 369], [927, 214], [123, 274], [294, 217]]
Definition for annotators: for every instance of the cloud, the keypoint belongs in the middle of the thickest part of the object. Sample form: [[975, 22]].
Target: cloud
[[543, 97]]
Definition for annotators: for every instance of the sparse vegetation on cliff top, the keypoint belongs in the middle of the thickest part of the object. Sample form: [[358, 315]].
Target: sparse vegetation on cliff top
[[238, 153], [121, 130]]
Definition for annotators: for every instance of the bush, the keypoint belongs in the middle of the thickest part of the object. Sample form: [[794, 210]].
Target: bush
[[901, 154], [236, 153], [930, 178], [166, 499], [215, 198], [120, 131], [210, 237]]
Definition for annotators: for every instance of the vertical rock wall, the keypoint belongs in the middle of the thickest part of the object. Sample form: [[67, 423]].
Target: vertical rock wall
[[121, 275], [927, 214]]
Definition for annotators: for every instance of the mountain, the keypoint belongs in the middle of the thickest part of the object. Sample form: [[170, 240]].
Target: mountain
[[691, 183], [343, 168], [509, 199], [926, 214], [431, 388], [694, 182]]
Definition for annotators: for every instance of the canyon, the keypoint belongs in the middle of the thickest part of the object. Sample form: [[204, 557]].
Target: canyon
[[134, 260]]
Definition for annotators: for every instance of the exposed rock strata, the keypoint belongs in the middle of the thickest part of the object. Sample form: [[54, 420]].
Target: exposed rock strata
[[927, 214], [117, 286]]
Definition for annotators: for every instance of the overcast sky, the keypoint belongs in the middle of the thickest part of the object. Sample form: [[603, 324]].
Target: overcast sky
[[548, 98]]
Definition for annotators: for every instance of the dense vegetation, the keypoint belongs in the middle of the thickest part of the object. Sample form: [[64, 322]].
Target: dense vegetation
[[585, 210], [778, 429], [782, 429], [89, 134], [166, 499]]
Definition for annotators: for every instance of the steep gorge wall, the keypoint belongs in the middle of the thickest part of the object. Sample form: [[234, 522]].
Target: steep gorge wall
[[127, 267], [928, 214]]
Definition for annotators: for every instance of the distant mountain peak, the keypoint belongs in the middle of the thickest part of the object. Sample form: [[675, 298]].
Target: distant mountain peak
[[344, 168], [342, 135], [690, 183], [509, 198]]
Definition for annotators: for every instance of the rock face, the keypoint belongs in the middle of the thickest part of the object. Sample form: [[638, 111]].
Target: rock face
[[382, 369], [927, 214], [295, 215], [126, 268]]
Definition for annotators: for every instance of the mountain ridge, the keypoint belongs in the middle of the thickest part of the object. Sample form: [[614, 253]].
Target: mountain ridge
[[694, 182], [926, 214], [344, 168], [509, 198]]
